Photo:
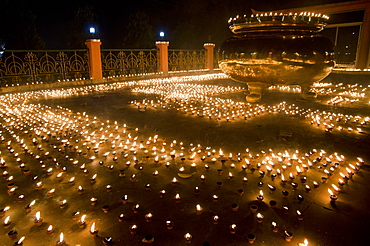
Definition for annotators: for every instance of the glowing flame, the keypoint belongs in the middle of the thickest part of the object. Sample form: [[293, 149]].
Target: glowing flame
[[335, 187], [330, 192], [220, 152], [7, 220], [283, 177], [83, 218], [38, 215], [50, 228], [21, 240], [92, 229], [298, 169], [133, 227], [61, 237]]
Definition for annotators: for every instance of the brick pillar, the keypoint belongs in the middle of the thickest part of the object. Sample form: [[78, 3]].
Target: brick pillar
[[163, 56], [209, 55], [95, 64]]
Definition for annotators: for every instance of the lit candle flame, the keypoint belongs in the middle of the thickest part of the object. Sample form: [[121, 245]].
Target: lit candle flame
[[83, 218], [283, 177], [298, 169], [38, 215], [220, 152], [133, 227], [61, 237], [21, 240], [330, 192], [7, 220], [335, 187], [92, 229], [188, 236]]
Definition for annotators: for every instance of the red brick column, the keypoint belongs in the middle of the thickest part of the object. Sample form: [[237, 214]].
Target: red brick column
[[209, 55], [163, 56], [95, 64]]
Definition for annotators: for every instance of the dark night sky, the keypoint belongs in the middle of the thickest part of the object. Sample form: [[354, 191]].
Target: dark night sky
[[204, 20]]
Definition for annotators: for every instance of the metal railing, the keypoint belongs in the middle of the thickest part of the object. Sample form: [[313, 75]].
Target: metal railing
[[25, 67], [21, 67], [185, 60], [122, 62]]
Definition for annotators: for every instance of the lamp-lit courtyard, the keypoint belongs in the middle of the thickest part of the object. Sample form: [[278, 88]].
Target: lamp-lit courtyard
[[188, 161]]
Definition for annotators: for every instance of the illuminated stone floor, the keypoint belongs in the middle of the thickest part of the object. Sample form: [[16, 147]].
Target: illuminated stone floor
[[278, 145]]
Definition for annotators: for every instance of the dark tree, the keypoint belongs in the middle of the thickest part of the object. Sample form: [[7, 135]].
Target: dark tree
[[79, 28], [139, 32], [18, 28]]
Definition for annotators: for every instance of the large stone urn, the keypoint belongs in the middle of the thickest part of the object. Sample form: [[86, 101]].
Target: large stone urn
[[277, 49]]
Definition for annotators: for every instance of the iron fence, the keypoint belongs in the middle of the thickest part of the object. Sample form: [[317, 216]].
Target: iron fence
[[20, 67], [180, 60], [121, 62]]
